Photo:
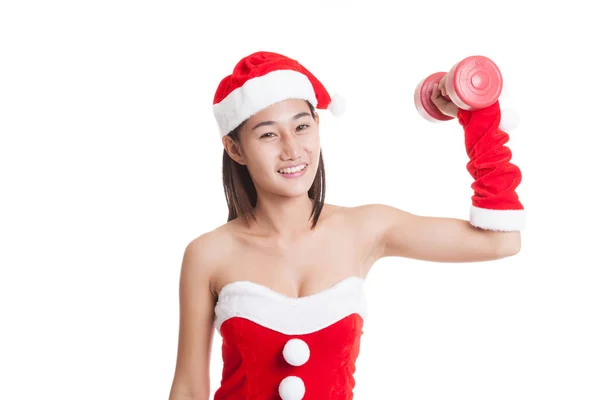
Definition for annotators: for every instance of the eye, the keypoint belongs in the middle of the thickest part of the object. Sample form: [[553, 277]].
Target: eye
[[302, 126], [268, 133]]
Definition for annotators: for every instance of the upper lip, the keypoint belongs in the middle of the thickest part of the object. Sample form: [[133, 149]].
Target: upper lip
[[292, 166]]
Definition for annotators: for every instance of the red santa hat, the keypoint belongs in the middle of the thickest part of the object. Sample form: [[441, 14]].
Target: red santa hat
[[262, 79]]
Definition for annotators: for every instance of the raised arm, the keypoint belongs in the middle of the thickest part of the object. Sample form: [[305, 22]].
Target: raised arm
[[196, 301], [403, 234], [497, 216]]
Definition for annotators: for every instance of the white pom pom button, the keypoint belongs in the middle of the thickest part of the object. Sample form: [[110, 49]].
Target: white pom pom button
[[296, 352], [291, 388]]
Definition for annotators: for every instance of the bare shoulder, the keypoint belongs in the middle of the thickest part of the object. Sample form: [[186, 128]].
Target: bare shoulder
[[370, 222], [206, 253], [355, 219], [210, 244], [375, 216], [366, 216]]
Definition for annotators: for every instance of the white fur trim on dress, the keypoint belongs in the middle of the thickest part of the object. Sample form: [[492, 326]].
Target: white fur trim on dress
[[498, 220], [290, 315], [258, 93]]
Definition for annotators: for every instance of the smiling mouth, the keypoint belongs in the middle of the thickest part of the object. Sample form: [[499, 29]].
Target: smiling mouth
[[294, 170]]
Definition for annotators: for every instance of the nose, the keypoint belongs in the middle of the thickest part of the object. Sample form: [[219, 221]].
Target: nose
[[290, 147]]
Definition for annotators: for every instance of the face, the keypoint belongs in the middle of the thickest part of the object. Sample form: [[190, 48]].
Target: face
[[282, 135]]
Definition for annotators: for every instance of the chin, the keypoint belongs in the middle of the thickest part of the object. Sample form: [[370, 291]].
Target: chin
[[293, 190]]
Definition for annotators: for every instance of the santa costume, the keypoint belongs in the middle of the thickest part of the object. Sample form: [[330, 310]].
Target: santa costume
[[279, 347]]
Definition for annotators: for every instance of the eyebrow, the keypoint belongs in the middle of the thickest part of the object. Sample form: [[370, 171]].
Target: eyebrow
[[299, 115]]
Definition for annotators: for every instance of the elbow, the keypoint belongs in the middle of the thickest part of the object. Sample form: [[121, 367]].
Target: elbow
[[188, 397], [513, 251], [185, 394], [508, 245]]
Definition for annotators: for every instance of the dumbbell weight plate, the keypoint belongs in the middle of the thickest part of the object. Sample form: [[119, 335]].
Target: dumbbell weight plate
[[423, 102], [474, 83]]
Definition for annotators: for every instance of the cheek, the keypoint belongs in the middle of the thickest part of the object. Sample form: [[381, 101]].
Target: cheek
[[262, 162], [313, 142], [258, 167]]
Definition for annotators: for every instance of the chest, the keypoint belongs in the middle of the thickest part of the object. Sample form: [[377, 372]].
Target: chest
[[300, 267]]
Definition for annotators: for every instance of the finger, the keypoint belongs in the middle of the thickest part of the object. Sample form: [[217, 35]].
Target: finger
[[443, 85], [435, 93], [439, 103], [436, 96]]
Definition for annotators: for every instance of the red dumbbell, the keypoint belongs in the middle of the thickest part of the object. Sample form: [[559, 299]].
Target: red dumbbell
[[471, 84]]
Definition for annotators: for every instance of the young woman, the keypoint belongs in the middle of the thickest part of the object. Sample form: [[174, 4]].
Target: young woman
[[283, 280]]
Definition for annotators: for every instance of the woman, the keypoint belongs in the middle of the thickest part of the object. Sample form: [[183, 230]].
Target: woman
[[283, 280]]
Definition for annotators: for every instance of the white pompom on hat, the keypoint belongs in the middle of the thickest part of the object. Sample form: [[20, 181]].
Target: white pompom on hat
[[264, 78]]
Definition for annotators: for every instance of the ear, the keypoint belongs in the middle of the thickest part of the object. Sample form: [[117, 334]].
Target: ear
[[234, 150], [317, 118]]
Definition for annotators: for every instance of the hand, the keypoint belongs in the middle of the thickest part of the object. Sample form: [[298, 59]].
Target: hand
[[446, 107]]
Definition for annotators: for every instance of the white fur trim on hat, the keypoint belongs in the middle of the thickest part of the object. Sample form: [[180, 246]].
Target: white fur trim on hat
[[258, 93]]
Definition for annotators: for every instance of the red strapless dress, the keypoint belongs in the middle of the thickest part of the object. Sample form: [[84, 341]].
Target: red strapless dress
[[278, 347]]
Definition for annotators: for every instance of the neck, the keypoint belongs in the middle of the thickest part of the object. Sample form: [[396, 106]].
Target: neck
[[284, 217]]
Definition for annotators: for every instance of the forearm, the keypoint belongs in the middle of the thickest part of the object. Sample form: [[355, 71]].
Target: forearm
[[495, 203]]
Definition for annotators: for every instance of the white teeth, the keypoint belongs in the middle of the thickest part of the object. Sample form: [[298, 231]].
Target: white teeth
[[292, 170]]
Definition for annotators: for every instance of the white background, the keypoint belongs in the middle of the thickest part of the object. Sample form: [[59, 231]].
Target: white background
[[110, 163]]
